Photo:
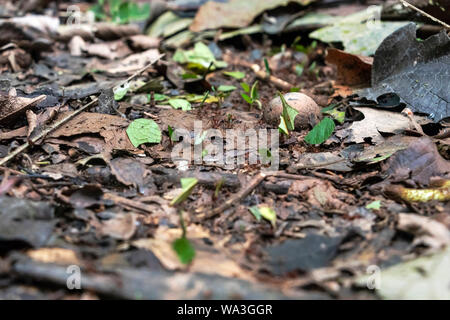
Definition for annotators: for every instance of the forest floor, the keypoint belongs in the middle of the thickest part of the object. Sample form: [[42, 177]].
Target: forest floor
[[108, 202]]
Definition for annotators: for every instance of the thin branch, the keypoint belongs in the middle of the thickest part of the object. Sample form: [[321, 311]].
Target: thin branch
[[406, 4], [69, 117]]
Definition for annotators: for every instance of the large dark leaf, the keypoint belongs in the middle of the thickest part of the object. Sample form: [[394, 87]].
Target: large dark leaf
[[417, 71]]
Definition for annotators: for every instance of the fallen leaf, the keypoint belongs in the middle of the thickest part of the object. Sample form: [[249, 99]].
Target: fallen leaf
[[12, 106], [419, 162], [122, 226], [419, 78], [352, 69], [128, 171], [143, 131], [374, 122], [424, 278], [234, 13], [427, 232], [360, 33]]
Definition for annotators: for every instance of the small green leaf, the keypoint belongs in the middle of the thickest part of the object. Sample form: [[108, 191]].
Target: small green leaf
[[245, 86], [226, 88], [246, 98], [171, 131], [143, 131], [337, 115], [160, 97], [266, 64], [287, 116], [254, 91], [235, 74], [265, 212], [255, 211], [187, 185], [321, 131], [374, 205], [299, 69], [120, 92], [180, 104], [184, 250]]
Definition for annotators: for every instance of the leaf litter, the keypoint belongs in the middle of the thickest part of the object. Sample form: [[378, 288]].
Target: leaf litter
[[88, 120]]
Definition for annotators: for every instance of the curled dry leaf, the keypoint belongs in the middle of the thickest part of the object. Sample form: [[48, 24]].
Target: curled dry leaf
[[11, 107]]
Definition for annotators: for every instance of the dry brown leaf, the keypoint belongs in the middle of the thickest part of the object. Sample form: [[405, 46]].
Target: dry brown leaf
[[352, 69], [208, 259], [122, 226], [419, 162], [128, 171], [426, 231], [374, 122], [11, 107], [128, 65]]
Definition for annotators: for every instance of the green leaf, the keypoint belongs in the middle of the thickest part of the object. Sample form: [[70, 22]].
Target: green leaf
[[143, 131], [187, 185], [265, 212], [266, 64], [226, 88], [199, 57], [337, 115], [235, 74], [288, 115], [374, 205], [120, 92], [184, 250], [245, 86], [130, 11], [180, 104], [246, 98], [358, 32], [254, 91], [299, 69], [171, 131], [321, 131], [160, 97]]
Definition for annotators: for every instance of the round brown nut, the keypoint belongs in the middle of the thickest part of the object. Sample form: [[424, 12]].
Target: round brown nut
[[308, 110]]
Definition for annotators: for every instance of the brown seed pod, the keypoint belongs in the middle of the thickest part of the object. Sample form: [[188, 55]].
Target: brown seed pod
[[308, 110]]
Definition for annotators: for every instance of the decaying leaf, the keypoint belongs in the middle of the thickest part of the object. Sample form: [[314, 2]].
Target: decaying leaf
[[419, 162], [416, 71], [423, 278], [128, 171], [360, 33], [122, 226], [352, 69], [374, 122], [13, 106], [234, 13], [426, 231], [439, 193]]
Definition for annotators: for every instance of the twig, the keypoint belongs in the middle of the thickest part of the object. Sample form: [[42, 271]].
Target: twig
[[247, 190], [406, 4], [69, 117], [279, 83]]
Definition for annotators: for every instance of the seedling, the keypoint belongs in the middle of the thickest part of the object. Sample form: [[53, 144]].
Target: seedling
[[253, 98]]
